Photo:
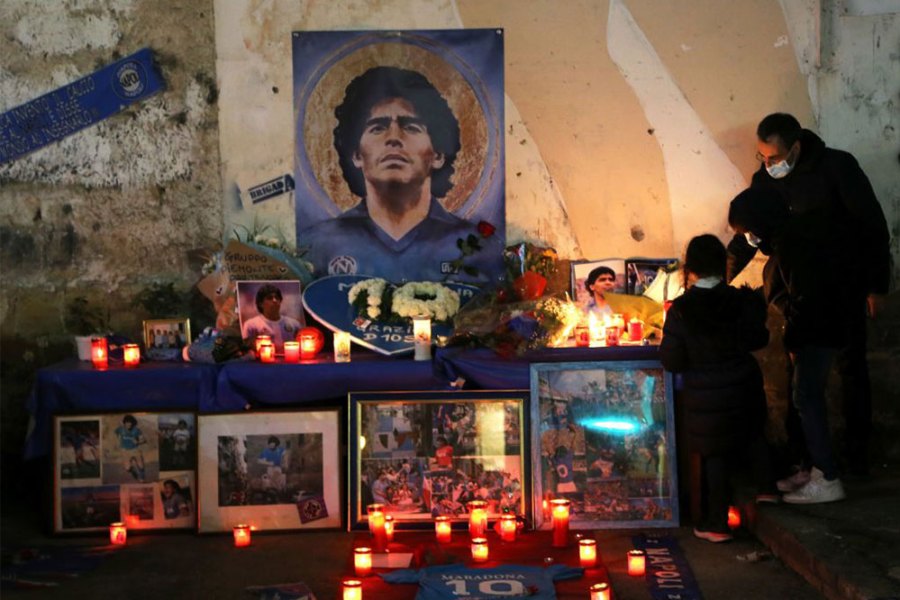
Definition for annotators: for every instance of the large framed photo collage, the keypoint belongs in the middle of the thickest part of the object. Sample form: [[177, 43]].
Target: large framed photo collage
[[600, 434]]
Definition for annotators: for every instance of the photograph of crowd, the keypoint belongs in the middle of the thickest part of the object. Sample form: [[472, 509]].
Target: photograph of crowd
[[422, 458], [603, 440]]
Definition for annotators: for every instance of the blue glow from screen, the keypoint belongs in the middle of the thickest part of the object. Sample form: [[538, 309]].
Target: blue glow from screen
[[612, 426]]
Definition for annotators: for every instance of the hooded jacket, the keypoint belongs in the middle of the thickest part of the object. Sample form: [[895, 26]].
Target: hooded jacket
[[708, 337], [829, 189]]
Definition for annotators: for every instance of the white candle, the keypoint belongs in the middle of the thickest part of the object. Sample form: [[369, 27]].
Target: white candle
[[422, 337], [341, 346]]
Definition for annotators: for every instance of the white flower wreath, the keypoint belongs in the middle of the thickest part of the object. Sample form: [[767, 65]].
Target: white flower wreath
[[442, 305], [375, 290]]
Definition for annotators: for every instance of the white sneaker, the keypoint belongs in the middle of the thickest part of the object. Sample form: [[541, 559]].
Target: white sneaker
[[817, 491], [794, 482]]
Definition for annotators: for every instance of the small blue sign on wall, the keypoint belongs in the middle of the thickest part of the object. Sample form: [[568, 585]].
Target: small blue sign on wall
[[77, 105]]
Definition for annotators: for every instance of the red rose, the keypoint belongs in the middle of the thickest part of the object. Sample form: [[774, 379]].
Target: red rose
[[485, 229]]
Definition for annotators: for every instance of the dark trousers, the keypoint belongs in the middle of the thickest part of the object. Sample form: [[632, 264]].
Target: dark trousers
[[717, 472]]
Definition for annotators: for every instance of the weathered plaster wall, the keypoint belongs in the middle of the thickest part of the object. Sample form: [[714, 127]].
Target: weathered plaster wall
[[124, 203]]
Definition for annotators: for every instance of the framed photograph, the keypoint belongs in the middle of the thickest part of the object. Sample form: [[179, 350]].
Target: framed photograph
[[640, 272], [604, 438], [270, 470], [165, 338], [273, 308], [582, 271], [137, 467], [424, 454]]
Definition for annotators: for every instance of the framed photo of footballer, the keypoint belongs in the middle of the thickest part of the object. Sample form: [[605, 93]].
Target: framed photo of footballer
[[603, 437], [271, 470], [135, 467], [424, 454], [583, 271]]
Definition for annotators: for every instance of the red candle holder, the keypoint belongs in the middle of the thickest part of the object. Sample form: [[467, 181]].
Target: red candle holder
[[479, 549], [582, 335], [260, 339], [376, 526], [508, 527], [635, 330], [266, 352], [389, 528], [99, 352], [600, 591], [734, 517], [311, 340], [292, 352], [442, 529], [587, 553], [352, 589], [637, 563], [131, 355], [241, 535], [477, 518], [362, 561], [118, 534], [559, 509]]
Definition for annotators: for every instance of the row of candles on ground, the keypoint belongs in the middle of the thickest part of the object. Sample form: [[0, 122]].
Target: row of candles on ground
[[596, 331]]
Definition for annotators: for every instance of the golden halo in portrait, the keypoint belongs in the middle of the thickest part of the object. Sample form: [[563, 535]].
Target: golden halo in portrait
[[328, 93]]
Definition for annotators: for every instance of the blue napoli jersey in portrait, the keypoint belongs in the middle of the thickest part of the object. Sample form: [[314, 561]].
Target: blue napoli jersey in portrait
[[451, 582], [353, 244]]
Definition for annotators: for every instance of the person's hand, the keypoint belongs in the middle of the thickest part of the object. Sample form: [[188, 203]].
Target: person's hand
[[874, 305]]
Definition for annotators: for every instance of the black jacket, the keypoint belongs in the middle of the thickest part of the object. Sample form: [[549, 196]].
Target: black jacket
[[708, 336], [829, 189]]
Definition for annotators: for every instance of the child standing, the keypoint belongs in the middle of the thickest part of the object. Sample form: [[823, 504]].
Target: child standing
[[709, 335]]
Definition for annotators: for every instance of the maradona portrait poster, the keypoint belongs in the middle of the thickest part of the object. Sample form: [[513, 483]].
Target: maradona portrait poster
[[399, 158]]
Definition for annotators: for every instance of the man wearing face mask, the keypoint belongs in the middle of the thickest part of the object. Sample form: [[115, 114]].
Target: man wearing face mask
[[828, 189]]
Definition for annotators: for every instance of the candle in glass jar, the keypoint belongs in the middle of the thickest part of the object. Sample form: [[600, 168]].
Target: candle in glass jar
[[559, 510], [376, 526], [477, 518], [99, 352], [341, 346], [362, 561], [422, 338], [261, 339], [266, 351], [635, 329], [131, 354], [587, 553], [734, 517], [309, 345], [292, 352], [352, 589], [508, 527], [582, 335], [637, 563], [479, 549], [442, 529], [612, 336], [600, 591], [118, 534], [389, 528], [241, 535]]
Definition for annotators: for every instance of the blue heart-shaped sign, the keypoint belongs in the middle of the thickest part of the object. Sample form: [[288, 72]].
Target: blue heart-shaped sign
[[326, 300]]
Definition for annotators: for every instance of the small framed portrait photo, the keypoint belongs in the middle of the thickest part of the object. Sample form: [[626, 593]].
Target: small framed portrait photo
[[586, 272], [271, 308], [164, 338]]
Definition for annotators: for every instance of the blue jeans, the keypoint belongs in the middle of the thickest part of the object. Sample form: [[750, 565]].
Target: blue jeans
[[812, 365]]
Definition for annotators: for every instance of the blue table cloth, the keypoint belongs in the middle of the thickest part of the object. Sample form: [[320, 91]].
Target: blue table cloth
[[74, 386], [484, 369], [252, 384]]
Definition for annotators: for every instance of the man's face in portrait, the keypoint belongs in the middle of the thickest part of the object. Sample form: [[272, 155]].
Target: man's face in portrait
[[395, 148], [603, 284], [271, 306]]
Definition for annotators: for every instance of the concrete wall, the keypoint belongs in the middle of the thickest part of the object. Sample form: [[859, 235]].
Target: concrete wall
[[630, 124]]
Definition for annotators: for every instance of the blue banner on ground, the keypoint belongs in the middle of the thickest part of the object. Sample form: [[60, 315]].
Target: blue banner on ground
[[668, 575], [77, 105]]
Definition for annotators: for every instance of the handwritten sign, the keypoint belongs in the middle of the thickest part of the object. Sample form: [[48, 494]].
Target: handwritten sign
[[77, 105]]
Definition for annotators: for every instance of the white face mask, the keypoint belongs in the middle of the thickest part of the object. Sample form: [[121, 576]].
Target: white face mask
[[779, 169], [752, 239]]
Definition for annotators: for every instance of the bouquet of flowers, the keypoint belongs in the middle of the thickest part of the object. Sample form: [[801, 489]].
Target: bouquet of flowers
[[529, 267], [376, 299]]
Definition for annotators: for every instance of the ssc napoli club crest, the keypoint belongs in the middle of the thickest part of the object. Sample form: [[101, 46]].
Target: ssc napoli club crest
[[130, 79], [326, 300], [342, 265], [312, 509]]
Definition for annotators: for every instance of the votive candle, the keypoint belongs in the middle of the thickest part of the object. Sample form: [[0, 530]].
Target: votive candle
[[267, 352], [341, 346], [600, 591], [241, 533], [362, 561], [582, 335], [442, 529], [479, 549], [612, 335], [587, 553], [508, 527], [389, 528], [260, 339], [635, 329], [118, 534], [559, 509], [376, 526], [131, 354], [734, 517], [477, 518], [309, 343], [352, 589], [99, 352], [422, 338], [637, 563], [292, 352]]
